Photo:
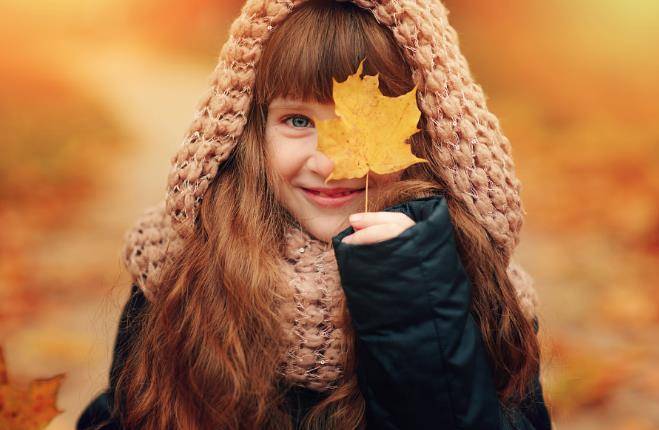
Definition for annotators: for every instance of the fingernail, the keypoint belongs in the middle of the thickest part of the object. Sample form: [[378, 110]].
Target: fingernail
[[356, 217]]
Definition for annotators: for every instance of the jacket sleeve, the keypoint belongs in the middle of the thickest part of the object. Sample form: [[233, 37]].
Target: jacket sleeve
[[421, 360], [98, 411]]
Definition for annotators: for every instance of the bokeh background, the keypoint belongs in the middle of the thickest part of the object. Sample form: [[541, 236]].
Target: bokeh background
[[96, 96]]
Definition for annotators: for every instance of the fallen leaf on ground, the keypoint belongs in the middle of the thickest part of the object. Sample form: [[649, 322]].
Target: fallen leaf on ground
[[27, 409]]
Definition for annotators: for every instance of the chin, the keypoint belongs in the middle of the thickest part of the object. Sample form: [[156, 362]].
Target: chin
[[324, 231], [320, 224]]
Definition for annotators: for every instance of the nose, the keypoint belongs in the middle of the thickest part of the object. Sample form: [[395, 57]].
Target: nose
[[320, 164]]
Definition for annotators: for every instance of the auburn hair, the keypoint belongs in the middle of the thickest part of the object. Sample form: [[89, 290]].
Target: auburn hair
[[206, 351]]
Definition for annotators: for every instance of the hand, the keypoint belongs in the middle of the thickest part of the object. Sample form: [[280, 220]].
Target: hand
[[372, 227]]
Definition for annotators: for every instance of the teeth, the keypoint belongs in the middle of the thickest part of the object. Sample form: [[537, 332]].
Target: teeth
[[319, 193], [333, 195]]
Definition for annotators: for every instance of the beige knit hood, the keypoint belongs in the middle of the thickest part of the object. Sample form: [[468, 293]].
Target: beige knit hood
[[467, 137]]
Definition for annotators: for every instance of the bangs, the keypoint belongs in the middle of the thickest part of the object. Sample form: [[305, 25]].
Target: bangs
[[325, 39]]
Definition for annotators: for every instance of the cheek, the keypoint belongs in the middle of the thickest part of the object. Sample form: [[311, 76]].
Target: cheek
[[284, 158], [284, 162]]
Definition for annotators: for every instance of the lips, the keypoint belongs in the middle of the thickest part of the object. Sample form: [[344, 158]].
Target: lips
[[333, 192], [331, 197]]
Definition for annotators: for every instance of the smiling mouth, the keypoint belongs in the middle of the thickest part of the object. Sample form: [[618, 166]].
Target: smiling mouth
[[344, 193], [331, 200]]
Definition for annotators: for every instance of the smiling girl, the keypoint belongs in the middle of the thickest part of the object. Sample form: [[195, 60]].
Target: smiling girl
[[264, 297]]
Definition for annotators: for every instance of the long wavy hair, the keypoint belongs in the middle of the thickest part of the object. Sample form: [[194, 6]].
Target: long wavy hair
[[207, 349]]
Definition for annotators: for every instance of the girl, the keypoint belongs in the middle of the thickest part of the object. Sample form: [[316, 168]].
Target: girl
[[258, 302]]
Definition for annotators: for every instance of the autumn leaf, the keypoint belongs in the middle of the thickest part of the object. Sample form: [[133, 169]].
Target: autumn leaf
[[27, 409], [371, 130]]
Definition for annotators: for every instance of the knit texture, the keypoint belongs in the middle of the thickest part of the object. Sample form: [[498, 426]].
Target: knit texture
[[313, 320], [475, 155]]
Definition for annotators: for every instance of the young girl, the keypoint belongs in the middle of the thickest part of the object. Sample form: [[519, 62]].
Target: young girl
[[259, 302]]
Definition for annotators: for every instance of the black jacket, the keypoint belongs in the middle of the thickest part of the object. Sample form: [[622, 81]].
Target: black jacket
[[421, 360]]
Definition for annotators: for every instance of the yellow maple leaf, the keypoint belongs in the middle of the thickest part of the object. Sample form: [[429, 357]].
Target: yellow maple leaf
[[371, 130], [27, 409]]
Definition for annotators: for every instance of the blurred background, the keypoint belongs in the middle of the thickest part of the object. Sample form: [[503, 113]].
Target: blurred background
[[96, 97]]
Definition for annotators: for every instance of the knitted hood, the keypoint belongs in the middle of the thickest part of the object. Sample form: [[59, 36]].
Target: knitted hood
[[467, 136]]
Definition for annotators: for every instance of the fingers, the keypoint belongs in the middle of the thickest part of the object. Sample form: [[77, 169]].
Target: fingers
[[366, 219], [371, 227], [374, 233]]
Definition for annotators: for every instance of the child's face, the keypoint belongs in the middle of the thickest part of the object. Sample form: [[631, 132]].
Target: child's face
[[291, 142]]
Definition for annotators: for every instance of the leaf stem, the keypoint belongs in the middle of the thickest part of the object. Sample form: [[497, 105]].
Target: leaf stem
[[366, 203]]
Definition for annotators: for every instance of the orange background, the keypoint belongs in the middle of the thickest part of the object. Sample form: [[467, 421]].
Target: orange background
[[96, 97]]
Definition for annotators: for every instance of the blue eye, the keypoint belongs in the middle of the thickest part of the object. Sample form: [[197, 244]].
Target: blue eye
[[299, 123]]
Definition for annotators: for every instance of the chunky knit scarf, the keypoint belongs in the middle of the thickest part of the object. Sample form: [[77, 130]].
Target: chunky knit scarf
[[313, 320]]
